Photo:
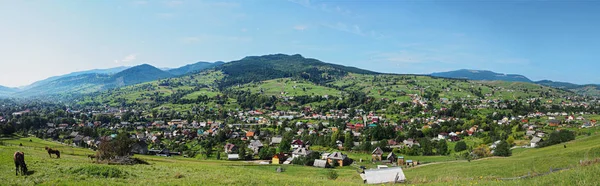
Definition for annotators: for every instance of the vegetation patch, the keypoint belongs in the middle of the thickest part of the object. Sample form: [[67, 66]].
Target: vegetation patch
[[101, 171]]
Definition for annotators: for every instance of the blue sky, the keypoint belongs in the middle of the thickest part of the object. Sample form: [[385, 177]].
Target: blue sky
[[556, 40]]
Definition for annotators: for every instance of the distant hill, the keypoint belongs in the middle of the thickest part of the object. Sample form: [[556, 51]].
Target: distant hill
[[87, 83], [482, 75], [5, 91], [260, 68], [137, 74], [193, 67], [94, 71], [588, 90]]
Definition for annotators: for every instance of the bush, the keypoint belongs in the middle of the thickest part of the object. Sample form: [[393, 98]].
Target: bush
[[332, 175], [503, 149], [101, 171], [460, 146], [557, 137]]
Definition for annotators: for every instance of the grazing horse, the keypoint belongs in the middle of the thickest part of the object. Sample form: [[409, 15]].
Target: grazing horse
[[52, 151], [19, 158]]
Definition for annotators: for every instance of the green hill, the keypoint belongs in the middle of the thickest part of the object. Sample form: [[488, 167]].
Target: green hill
[[196, 67], [260, 68]]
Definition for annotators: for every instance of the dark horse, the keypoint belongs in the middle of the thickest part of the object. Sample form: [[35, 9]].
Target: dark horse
[[19, 158], [52, 151]]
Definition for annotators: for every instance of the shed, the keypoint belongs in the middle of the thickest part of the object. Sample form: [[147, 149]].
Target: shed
[[233, 156], [320, 163], [384, 175]]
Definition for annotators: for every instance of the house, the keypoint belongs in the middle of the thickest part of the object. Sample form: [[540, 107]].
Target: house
[[384, 176], [553, 123], [535, 141], [442, 135], [275, 141], [73, 134], [232, 157], [338, 157], [301, 152], [530, 133], [376, 154], [297, 144], [255, 145], [229, 148], [410, 142], [250, 134], [321, 163], [141, 147], [277, 158]]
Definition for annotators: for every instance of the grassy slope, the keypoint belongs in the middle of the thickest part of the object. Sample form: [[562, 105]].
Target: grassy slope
[[162, 171], [521, 163], [276, 86]]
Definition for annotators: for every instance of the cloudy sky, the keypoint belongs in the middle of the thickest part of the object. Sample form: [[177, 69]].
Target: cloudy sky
[[555, 40]]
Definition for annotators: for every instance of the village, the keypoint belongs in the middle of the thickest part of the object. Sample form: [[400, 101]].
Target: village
[[322, 140]]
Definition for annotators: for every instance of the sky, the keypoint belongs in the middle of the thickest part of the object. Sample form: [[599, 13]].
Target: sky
[[556, 40]]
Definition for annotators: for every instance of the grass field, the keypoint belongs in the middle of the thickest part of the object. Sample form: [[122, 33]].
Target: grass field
[[184, 171]]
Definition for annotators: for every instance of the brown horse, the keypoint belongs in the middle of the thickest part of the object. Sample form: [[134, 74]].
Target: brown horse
[[52, 151], [19, 159]]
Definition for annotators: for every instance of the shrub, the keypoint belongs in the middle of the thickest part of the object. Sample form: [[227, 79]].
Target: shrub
[[332, 175], [460, 146], [503, 149], [101, 171]]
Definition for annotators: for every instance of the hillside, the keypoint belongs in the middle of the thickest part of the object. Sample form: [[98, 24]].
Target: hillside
[[137, 74], [160, 171], [4, 91], [260, 68], [481, 75], [178, 170], [94, 71], [587, 90], [89, 83], [196, 67]]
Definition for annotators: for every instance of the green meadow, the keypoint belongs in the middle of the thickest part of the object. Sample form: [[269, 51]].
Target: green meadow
[[74, 168]]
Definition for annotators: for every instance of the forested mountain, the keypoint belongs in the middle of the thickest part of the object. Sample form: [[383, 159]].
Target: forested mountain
[[137, 74], [260, 68], [193, 68], [589, 89], [482, 75]]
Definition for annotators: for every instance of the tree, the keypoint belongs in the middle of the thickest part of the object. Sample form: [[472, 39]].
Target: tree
[[503, 149], [426, 146], [348, 141], [460, 146], [510, 140], [266, 153], [285, 145], [442, 147]]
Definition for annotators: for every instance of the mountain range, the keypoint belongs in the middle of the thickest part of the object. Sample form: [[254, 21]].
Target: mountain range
[[246, 70], [101, 79], [484, 75]]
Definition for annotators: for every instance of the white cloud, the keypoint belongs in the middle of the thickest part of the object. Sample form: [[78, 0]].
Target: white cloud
[[300, 27], [126, 59]]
